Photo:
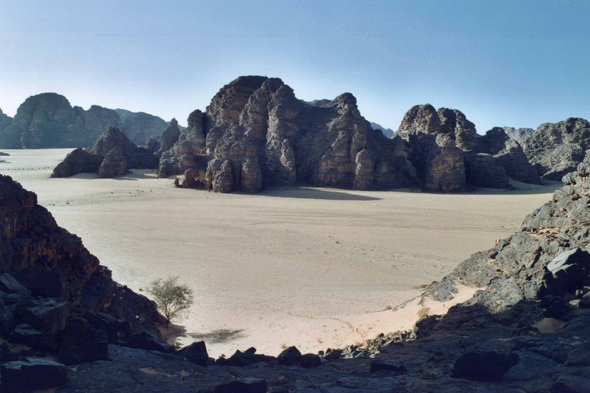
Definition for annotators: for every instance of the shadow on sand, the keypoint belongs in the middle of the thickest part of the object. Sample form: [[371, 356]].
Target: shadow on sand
[[218, 336], [316, 193]]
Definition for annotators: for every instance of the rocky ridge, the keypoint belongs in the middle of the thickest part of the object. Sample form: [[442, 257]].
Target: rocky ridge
[[49, 121], [256, 133]]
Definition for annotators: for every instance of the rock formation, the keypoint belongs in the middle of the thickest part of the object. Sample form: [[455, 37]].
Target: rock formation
[[256, 133], [556, 149], [48, 120], [487, 161], [112, 154], [5, 121], [166, 141]]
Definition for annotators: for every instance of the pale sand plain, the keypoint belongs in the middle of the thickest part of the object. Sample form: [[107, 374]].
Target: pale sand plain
[[311, 267]]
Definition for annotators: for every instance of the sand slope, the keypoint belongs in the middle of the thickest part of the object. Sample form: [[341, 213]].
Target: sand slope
[[303, 266]]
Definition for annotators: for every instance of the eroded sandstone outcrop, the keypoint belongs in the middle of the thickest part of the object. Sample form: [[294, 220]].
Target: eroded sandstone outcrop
[[140, 127], [487, 161], [256, 133]]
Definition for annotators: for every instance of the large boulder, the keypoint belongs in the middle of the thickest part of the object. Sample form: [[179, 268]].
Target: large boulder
[[78, 161]]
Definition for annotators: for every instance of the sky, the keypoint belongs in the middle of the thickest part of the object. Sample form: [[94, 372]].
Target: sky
[[513, 63]]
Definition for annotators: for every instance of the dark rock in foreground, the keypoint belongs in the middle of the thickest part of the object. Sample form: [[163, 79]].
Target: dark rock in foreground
[[32, 375]]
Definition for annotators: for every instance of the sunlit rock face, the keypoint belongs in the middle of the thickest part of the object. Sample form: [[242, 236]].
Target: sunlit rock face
[[443, 147], [256, 133]]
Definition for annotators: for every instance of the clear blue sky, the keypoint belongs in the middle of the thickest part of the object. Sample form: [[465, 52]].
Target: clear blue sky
[[515, 62]]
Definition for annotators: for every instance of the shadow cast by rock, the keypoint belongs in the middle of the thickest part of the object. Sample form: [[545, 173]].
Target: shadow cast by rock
[[218, 336]]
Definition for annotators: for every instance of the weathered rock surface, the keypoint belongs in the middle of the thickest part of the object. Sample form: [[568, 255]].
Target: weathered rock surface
[[111, 156], [523, 266], [487, 161], [256, 133], [113, 164], [556, 149], [5, 121], [32, 375], [166, 141]]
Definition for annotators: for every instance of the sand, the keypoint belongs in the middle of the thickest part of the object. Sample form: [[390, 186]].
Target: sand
[[311, 267]]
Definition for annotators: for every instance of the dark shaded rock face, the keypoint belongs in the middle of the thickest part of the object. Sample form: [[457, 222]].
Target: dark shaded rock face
[[111, 156], [556, 149], [5, 121], [256, 133], [525, 265], [140, 127], [48, 120], [53, 263]]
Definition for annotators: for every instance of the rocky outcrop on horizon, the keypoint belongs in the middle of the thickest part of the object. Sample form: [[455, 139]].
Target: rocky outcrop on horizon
[[557, 148], [111, 156], [256, 133], [48, 120]]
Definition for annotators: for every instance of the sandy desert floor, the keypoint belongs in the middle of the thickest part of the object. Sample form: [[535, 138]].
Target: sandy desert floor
[[311, 267]]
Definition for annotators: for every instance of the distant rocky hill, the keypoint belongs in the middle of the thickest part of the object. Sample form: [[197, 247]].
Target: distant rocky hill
[[388, 132], [48, 120], [140, 127], [518, 134]]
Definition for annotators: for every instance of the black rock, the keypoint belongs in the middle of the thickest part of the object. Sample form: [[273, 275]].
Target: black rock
[[148, 340], [310, 360], [585, 301], [246, 385], [566, 272], [25, 334], [8, 357], [8, 284], [76, 331], [70, 356], [386, 365], [289, 357], [578, 357], [196, 353], [31, 375], [96, 347], [483, 366], [45, 315], [112, 325]]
